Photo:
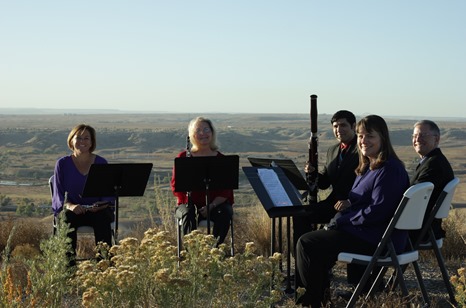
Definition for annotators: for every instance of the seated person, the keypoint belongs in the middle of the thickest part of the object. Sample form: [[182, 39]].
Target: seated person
[[363, 217], [433, 167], [68, 183], [192, 206], [338, 174]]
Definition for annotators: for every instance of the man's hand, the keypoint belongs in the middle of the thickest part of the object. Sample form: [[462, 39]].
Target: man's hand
[[308, 168]]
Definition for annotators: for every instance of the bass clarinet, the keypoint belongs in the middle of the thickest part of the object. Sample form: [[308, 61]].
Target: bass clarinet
[[311, 176]]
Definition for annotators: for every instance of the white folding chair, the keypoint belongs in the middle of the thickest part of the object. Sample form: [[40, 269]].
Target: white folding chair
[[83, 230], [440, 210], [408, 216]]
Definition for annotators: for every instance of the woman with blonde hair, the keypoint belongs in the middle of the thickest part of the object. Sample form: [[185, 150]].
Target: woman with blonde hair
[[203, 137]]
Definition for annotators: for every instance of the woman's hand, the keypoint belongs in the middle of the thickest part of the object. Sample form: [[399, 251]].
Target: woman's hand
[[76, 208], [203, 210], [342, 205]]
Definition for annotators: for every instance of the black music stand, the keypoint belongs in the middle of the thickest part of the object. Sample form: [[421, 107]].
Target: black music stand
[[206, 173], [117, 180], [274, 210]]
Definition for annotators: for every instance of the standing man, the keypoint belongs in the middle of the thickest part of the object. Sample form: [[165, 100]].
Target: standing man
[[433, 167], [338, 173]]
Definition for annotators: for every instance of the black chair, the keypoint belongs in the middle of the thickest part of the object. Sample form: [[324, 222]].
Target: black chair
[[440, 210], [82, 230], [408, 216]]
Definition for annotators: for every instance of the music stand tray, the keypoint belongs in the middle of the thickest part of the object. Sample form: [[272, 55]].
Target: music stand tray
[[288, 166], [117, 180]]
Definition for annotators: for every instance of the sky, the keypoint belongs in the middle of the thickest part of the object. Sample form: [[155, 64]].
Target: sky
[[399, 57]]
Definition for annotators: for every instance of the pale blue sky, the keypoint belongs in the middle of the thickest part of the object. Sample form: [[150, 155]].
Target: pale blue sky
[[398, 57]]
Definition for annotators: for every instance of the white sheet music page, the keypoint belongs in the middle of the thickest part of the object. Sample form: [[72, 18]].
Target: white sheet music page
[[274, 187]]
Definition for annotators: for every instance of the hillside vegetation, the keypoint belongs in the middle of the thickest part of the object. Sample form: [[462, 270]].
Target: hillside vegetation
[[30, 144]]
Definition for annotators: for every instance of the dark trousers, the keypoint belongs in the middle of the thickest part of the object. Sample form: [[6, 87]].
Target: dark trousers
[[319, 213], [100, 221], [316, 254], [221, 216]]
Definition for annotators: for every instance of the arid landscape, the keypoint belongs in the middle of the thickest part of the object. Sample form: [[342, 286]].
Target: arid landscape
[[30, 144]]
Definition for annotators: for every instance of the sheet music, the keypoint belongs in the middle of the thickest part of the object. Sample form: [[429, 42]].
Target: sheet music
[[274, 187]]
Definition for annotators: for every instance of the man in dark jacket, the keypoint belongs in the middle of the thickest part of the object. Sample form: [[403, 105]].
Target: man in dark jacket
[[338, 173], [433, 167]]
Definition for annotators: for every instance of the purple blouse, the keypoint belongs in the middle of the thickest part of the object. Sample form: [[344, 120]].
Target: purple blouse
[[374, 198], [67, 178]]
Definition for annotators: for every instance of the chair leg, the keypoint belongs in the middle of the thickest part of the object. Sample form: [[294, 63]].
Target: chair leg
[[425, 296], [399, 271], [232, 238], [178, 233], [445, 276], [113, 239], [358, 291], [377, 282]]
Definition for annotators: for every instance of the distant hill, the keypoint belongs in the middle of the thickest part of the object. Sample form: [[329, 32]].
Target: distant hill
[[76, 111]]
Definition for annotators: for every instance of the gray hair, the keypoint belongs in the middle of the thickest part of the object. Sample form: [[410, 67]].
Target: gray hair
[[432, 125]]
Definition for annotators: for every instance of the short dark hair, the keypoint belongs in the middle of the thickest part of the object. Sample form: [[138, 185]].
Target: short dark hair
[[344, 114]]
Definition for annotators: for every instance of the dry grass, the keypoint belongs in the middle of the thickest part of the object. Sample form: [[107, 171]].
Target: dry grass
[[287, 135], [30, 231], [251, 224]]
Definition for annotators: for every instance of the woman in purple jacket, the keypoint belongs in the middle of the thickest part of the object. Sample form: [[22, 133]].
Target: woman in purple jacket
[[358, 227], [68, 183]]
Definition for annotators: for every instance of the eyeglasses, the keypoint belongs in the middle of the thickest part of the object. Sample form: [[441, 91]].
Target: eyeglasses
[[204, 130], [423, 136]]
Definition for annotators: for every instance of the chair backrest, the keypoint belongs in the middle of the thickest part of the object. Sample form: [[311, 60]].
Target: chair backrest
[[415, 200], [445, 198], [51, 186]]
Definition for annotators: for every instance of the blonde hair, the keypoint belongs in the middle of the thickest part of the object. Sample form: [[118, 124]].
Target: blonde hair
[[192, 131]]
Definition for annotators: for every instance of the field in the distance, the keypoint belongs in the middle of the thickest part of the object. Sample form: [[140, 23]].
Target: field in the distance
[[30, 144]]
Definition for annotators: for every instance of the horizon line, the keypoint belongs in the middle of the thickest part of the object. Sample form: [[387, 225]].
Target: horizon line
[[70, 111]]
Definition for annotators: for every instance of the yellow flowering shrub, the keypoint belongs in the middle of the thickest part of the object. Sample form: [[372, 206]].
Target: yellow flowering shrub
[[459, 284], [148, 273]]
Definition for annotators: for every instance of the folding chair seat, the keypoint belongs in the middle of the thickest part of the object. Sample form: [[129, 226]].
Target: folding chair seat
[[408, 216], [202, 224], [440, 210], [83, 230]]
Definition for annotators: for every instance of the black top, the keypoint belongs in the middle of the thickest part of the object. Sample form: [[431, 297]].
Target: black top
[[339, 174], [434, 168]]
